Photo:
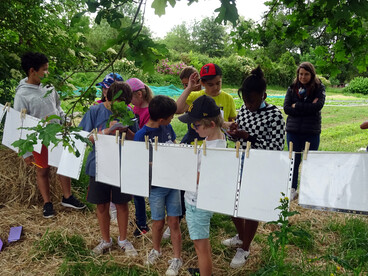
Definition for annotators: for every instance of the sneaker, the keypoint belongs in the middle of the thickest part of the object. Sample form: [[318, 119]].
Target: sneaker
[[72, 202], [102, 247], [240, 258], [152, 257], [140, 230], [175, 265], [293, 194], [48, 210], [166, 234], [127, 247], [233, 242]]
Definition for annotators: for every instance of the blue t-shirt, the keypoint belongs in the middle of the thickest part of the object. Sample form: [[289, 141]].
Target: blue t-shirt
[[97, 117], [164, 133]]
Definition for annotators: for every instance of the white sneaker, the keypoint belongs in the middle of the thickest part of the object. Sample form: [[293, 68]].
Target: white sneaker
[[152, 257], [233, 242], [102, 247], [127, 247], [175, 265], [166, 234], [293, 194], [239, 259]]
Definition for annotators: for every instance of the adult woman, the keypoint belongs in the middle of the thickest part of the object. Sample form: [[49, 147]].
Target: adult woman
[[303, 103]]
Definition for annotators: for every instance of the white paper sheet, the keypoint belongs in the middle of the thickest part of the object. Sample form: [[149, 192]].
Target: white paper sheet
[[335, 181], [218, 181], [30, 121], [135, 168], [266, 174], [71, 165], [174, 166], [11, 133], [107, 160], [54, 154], [2, 112]]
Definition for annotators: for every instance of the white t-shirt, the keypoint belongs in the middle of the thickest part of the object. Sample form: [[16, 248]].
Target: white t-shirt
[[191, 197]]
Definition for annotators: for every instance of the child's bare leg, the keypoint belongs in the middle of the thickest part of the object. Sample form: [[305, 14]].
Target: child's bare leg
[[157, 230], [103, 217], [122, 217], [249, 233], [173, 223], [65, 183], [203, 250], [42, 175], [240, 226]]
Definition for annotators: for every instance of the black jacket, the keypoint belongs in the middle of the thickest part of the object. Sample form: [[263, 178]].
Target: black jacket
[[306, 116]]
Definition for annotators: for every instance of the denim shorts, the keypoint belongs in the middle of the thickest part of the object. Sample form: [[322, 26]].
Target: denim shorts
[[163, 197], [198, 222]]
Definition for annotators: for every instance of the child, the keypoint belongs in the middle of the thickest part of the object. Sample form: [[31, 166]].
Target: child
[[106, 83], [40, 103], [142, 95], [162, 110], [207, 120], [184, 77], [263, 125], [100, 193], [211, 79]]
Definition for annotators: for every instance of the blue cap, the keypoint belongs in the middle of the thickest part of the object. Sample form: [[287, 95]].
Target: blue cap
[[109, 79]]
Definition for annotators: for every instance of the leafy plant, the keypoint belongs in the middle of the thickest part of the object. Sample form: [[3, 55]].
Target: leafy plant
[[121, 113], [358, 85]]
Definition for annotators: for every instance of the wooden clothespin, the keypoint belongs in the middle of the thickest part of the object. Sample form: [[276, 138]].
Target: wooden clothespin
[[117, 136], [204, 146], [156, 142], [195, 145], [95, 134], [7, 104], [306, 150], [290, 150], [237, 146], [123, 138], [146, 140], [23, 113], [248, 148]]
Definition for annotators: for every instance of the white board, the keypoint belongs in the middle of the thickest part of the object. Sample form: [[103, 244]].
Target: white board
[[2, 112], [335, 181], [30, 121], [12, 132], [218, 181], [266, 174], [175, 167], [135, 168], [107, 160], [70, 165], [54, 154]]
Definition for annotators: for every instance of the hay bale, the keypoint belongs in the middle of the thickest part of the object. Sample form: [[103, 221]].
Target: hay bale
[[18, 181]]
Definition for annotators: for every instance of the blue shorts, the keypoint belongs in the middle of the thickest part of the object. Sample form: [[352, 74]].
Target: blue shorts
[[198, 222], [163, 197]]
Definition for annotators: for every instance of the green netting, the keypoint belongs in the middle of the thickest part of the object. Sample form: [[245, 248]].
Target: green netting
[[171, 90]]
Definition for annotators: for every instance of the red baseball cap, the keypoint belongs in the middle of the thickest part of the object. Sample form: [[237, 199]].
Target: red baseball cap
[[209, 71]]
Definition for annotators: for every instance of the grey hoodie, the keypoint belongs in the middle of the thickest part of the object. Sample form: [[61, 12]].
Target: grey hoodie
[[32, 98]]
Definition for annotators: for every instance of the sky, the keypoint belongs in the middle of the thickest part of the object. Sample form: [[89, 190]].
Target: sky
[[250, 9]]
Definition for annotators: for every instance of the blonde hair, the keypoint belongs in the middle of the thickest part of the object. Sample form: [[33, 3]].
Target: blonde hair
[[218, 120], [146, 93]]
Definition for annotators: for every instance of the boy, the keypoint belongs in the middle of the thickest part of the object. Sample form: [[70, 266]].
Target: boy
[[162, 110], [207, 120], [211, 80], [40, 103]]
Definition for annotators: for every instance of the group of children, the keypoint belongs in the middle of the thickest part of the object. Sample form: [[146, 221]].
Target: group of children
[[208, 112]]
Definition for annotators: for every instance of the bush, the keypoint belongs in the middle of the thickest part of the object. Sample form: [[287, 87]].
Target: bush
[[167, 68], [357, 85], [235, 68], [325, 81]]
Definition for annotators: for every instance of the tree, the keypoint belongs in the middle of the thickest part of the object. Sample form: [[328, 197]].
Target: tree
[[179, 39]]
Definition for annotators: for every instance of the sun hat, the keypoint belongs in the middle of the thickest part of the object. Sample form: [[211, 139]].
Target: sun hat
[[202, 107], [110, 79]]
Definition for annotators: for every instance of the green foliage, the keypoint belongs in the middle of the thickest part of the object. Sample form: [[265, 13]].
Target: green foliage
[[121, 113], [167, 68], [357, 85]]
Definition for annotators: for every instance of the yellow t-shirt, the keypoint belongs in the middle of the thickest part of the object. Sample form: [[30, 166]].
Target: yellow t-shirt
[[223, 100]]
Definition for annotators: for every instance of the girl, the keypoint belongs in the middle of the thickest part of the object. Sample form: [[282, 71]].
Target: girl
[[303, 103], [263, 125], [100, 193], [142, 95]]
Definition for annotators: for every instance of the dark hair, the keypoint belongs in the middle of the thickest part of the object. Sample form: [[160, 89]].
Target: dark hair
[[187, 71], [314, 81], [254, 83], [161, 107], [33, 60], [126, 94]]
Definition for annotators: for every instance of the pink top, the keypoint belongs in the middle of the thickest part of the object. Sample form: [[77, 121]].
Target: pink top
[[143, 115]]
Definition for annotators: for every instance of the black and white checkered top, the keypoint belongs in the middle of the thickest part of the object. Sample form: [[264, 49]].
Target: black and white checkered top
[[266, 127]]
